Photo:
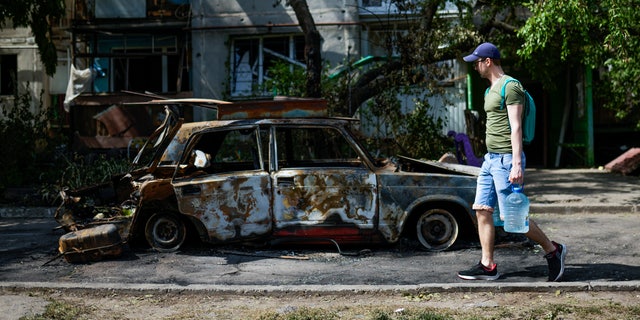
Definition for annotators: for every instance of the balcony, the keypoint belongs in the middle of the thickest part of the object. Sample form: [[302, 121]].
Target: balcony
[[89, 10]]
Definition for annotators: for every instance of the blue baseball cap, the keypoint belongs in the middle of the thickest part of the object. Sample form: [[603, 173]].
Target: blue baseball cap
[[485, 50]]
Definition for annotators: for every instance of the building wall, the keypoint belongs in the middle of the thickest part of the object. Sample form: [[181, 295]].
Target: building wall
[[341, 23], [216, 23], [20, 42]]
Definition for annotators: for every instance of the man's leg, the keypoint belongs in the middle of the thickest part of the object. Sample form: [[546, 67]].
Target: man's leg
[[486, 233], [555, 253], [485, 200], [486, 269], [536, 234]]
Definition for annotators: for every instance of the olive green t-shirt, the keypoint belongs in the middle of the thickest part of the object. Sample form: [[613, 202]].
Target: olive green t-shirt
[[498, 131]]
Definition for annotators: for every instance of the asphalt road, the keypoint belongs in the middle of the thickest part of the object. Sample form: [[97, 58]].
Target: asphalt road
[[601, 248]]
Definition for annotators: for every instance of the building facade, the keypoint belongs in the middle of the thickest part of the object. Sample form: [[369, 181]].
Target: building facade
[[20, 65], [139, 49], [136, 50]]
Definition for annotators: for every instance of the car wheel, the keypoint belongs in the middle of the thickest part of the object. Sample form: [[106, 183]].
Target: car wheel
[[437, 229], [165, 232]]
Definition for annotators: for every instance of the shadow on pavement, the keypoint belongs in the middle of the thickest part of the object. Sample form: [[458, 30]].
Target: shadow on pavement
[[583, 272]]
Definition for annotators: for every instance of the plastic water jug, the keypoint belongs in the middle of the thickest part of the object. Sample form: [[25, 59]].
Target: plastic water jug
[[497, 220], [516, 212]]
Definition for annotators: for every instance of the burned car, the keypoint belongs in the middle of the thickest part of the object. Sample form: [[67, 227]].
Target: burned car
[[275, 170]]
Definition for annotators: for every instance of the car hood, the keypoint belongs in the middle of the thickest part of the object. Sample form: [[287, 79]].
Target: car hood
[[407, 164]]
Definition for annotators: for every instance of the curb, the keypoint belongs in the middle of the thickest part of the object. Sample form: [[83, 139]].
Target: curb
[[570, 209], [592, 286]]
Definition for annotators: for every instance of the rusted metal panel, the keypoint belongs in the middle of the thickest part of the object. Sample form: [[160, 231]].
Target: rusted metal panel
[[336, 199], [230, 206], [293, 108], [158, 189], [281, 107], [92, 244], [414, 165], [401, 192]]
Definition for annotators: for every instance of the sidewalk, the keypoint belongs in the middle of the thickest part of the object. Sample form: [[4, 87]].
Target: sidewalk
[[581, 191]]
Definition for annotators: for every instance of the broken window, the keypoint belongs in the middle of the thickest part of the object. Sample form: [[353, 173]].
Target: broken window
[[252, 58], [372, 3], [8, 73], [230, 150], [155, 63], [314, 147]]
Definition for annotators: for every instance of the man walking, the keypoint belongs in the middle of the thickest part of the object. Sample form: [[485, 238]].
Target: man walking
[[503, 166]]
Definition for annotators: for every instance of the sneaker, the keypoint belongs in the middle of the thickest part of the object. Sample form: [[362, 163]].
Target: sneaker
[[556, 262], [480, 272]]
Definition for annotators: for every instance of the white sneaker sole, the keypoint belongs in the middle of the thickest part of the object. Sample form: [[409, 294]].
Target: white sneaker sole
[[489, 278]]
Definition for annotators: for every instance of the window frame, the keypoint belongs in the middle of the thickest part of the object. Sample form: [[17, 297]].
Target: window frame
[[257, 68], [355, 161], [8, 72], [193, 144]]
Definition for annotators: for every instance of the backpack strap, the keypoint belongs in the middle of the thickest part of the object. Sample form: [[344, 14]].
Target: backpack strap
[[502, 92]]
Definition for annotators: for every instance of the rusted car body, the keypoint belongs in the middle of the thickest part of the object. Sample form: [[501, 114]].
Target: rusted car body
[[293, 175]]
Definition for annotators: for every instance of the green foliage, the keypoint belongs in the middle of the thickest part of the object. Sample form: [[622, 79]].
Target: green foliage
[[39, 16], [603, 35], [76, 171], [286, 80], [85, 170], [424, 137], [34, 156], [415, 133], [23, 132]]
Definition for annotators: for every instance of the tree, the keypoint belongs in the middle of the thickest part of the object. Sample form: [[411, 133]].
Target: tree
[[39, 16], [421, 47], [312, 48], [545, 37], [602, 35], [417, 69]]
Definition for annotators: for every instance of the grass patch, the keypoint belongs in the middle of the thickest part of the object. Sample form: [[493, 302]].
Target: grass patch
[[58, 310], [324, 314], [300, 314]]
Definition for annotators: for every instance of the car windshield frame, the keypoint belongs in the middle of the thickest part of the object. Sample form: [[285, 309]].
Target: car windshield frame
[[149, 154]]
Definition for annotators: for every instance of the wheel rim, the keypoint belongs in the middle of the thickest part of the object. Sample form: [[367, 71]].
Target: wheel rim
[[437, 230], [165, 232]]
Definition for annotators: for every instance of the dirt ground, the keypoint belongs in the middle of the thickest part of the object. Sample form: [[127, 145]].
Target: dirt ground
[[99, 304]]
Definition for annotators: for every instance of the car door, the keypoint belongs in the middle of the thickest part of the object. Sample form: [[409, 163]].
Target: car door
[[227, 188], [321, 186]]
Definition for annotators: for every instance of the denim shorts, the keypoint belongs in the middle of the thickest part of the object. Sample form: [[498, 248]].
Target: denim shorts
[[493, 181]]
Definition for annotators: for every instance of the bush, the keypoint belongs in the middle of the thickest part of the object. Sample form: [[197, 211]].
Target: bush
[[35, 159], [23, 133]]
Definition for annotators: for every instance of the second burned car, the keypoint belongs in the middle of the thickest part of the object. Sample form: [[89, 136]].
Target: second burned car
[[289, 173]]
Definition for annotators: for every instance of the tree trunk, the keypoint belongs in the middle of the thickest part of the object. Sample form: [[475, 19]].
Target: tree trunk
[[312, 47]]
